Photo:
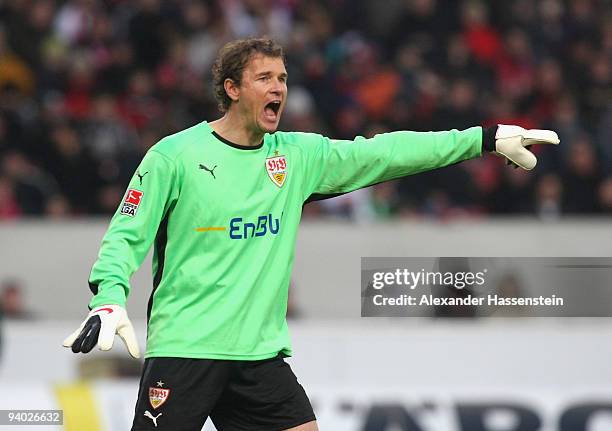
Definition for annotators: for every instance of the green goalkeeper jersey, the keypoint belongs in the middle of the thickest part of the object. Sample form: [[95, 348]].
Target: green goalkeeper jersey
[[223, 220]]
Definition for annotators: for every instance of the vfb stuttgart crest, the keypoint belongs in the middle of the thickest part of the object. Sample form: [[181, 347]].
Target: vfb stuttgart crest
[[158, 396], [277, 169]]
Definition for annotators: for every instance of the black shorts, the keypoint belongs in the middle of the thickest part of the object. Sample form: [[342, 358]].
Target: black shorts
[[178, 394]]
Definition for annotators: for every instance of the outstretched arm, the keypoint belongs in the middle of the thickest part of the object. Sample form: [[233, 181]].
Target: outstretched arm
[[341, 166]]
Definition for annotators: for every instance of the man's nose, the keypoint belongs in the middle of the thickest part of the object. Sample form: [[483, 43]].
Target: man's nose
[[277, 87]]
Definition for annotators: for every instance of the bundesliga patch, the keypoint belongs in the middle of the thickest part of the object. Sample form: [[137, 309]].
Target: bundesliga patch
[[131, 202], [277, 169], [158, 396]]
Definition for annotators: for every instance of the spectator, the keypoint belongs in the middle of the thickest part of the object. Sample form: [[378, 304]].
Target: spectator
[[604, 138], [461, 106], [483, 40], [104, 135], [605, 196], [73, 168], [12, 301], [548, 197], [515, 66], [582, 177], [9, 207], [145, 33], [13, 71], [33, 187], [511, 196]]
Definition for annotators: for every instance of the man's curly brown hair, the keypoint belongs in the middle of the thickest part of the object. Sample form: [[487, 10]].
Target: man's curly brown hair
[[233, 58]]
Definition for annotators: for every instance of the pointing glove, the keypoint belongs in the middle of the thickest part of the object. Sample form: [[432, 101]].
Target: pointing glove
[[100, 327], [512, 142]]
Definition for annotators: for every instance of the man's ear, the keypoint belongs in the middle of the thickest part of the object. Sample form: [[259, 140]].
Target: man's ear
[[232, 90]]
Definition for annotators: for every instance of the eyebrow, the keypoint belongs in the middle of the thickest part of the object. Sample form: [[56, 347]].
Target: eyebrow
[[284, 74]]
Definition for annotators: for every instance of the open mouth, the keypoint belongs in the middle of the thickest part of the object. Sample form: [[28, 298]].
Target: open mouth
[[271, 109]]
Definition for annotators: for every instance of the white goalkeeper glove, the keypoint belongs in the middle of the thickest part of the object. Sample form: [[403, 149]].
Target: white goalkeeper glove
[[510, 142], [100, 327]]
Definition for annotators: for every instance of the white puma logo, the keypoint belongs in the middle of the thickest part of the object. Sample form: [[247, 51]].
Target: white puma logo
[[153, 418]]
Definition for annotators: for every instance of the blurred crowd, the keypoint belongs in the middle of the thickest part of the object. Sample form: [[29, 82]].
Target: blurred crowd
[[86, 87]]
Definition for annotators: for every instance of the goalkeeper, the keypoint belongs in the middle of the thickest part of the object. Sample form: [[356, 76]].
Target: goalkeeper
[[221, 202]]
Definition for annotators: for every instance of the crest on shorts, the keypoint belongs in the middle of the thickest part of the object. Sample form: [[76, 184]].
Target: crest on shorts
[[277, 169], [158, 396]]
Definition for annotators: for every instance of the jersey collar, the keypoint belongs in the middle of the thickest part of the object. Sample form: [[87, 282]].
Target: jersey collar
[[234, 145]]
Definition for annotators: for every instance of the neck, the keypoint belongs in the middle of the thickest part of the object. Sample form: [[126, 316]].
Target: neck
[[234, 128]]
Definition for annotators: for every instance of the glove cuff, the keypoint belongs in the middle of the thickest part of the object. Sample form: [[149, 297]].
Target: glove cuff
[[488, 138]]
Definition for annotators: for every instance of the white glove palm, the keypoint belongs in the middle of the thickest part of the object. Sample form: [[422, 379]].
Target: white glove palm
[[100, 327], [510, 142]]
